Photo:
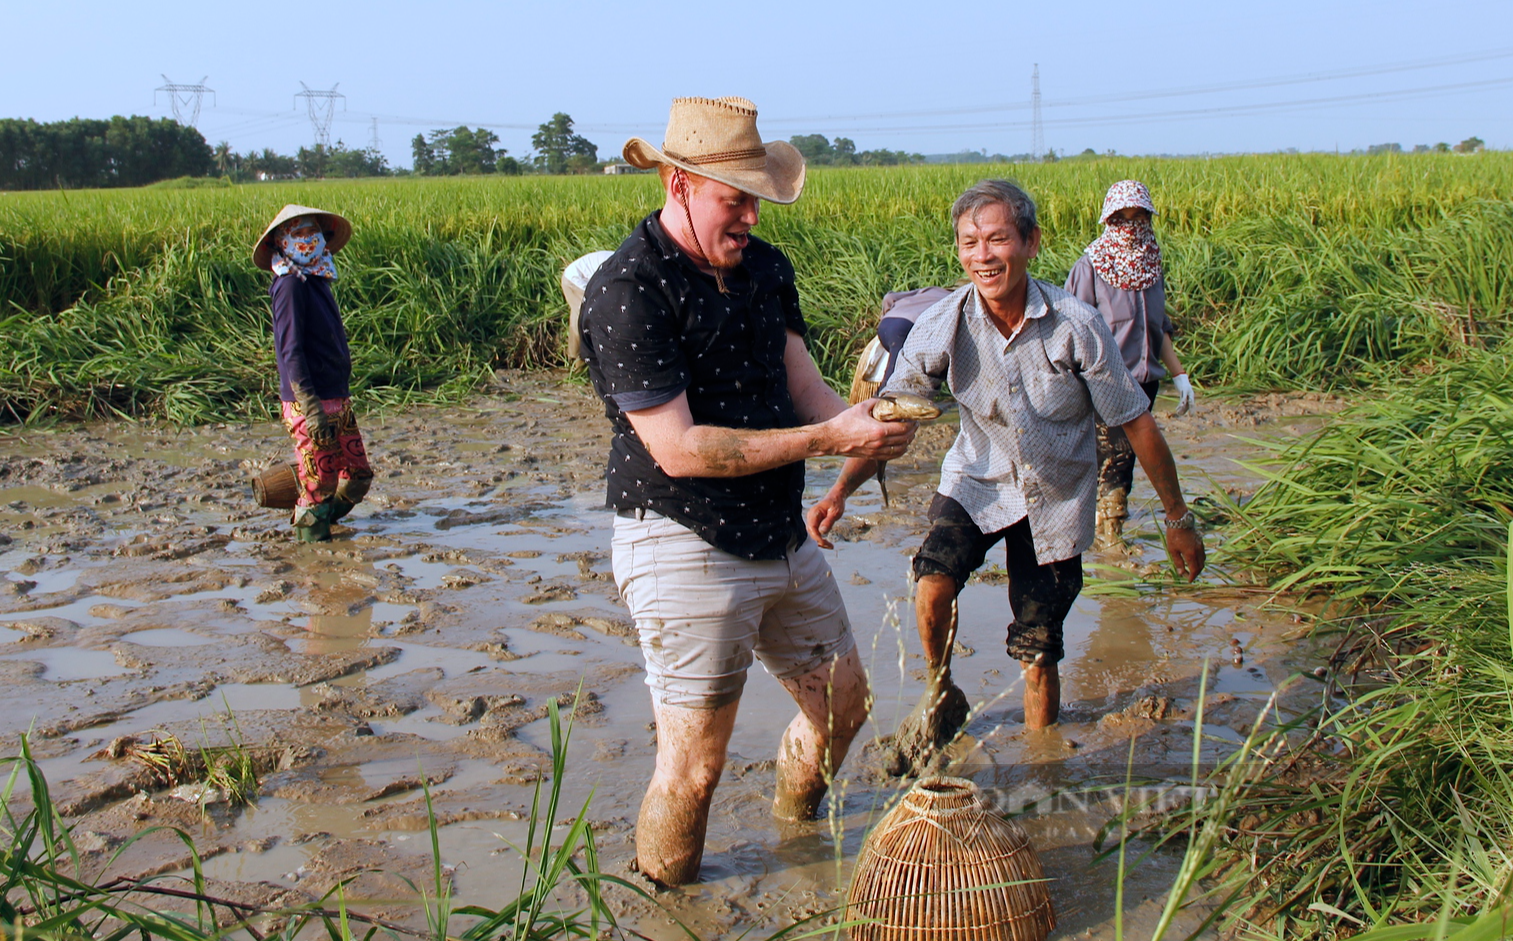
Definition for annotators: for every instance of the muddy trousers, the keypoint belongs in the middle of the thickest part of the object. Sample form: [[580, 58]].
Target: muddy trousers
[[340, 468], [1040, 595], [1116, 474]]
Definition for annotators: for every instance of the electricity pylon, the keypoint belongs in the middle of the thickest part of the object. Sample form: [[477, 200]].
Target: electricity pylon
[[184, 98], [322, 107], [1037, 134]]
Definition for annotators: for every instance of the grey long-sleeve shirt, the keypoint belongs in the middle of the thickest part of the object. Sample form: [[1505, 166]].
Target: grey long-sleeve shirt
[[1137, 318]]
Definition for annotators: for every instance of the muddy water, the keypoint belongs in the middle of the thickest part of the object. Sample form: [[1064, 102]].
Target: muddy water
[[144, 594]]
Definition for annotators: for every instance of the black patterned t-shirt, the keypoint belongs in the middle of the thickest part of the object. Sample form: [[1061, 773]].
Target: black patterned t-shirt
[[653, 325]]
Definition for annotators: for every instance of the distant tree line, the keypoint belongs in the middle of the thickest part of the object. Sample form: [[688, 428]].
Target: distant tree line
[[463, 150], [1470, 145], [818, 150], [309, 163], [90, 152]]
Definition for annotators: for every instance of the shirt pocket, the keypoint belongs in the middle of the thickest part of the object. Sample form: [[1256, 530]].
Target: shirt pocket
[[1057, 396], [1118, 307]]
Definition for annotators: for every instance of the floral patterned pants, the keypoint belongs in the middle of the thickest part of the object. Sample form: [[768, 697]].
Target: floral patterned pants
[[320, 469]]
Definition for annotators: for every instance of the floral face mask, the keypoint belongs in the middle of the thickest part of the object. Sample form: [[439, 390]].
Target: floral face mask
[[301, 250]]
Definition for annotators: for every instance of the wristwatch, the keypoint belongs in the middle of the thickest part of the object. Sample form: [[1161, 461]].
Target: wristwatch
[[1186, 521]]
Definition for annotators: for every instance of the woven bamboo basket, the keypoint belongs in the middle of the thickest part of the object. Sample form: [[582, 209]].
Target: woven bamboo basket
[[944, 865], [277, 487], [867, 376]]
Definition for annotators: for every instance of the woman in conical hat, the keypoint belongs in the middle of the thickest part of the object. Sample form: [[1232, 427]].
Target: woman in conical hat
[[314, 365], [1120, 273]]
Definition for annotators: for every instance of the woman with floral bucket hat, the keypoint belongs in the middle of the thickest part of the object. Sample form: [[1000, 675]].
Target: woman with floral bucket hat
[[314, 366], [1120, 274]]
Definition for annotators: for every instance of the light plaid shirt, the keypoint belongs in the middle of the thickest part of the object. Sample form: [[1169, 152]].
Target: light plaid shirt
[[1027, 445]]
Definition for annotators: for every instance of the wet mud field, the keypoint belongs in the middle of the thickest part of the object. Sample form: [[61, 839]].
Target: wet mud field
[[144, 595]]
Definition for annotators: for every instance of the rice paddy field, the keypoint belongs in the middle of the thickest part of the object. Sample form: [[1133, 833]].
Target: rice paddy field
[[1385, 813], [1285, 271]]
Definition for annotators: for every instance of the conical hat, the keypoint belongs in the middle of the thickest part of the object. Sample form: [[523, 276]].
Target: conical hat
[[338, 231]]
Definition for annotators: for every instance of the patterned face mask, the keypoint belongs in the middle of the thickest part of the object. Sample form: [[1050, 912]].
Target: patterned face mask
[[1126, 255], [302, 255]]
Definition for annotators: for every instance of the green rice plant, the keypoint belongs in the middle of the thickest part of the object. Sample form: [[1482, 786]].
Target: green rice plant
[[1392, 802], [535, 914], [1284, 271]]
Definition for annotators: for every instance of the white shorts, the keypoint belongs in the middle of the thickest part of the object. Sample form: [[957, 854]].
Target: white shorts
[[701, 612]]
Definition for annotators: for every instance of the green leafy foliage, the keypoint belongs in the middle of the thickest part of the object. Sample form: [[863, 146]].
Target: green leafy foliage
[[89, 152]]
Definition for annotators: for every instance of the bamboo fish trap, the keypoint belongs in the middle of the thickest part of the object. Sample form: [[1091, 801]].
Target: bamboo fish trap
[[945, 866], [277, 487]]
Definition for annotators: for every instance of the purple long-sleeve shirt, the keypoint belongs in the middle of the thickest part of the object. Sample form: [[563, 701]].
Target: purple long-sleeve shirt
[[309, 340]]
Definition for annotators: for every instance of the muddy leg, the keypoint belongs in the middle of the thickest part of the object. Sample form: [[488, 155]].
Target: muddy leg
[[1042, 694], [833, 703], [943, 709], [1116, 475], [1113, 510], [675, 812]]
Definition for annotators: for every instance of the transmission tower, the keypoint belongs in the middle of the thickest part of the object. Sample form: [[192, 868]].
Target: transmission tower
[[1037, 135], [374, 144], [322, 107], [184, 98]]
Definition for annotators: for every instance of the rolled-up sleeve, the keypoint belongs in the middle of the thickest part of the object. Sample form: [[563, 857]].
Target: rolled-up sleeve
[[1116, 397], [635, 336]]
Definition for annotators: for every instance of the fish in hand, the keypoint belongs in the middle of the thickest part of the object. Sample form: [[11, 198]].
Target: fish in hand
[[900, 406]]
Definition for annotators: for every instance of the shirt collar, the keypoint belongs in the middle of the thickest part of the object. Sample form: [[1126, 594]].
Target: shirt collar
[[663, 243], [1034, 307]]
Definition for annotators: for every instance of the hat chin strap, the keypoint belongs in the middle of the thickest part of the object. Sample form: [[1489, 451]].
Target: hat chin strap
[[681, 188]]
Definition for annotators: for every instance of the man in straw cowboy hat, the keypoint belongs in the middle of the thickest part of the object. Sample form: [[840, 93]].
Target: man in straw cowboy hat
[[694, 340], [314, 365], [1031, 367]]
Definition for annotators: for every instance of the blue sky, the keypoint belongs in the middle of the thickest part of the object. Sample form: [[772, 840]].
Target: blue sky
[[1175, 77]]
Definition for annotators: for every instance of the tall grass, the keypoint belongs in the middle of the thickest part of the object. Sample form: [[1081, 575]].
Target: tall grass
[[1397, 807], [1283, 270]]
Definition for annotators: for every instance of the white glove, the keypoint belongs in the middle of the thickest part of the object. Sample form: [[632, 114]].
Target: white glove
[[1184, 394]]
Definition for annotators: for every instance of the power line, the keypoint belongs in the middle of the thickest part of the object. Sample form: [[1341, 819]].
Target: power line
[[326, 111], [1403, 94], [1183, 91]]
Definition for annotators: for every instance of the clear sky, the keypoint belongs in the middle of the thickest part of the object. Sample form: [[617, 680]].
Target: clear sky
[[1181, 77]]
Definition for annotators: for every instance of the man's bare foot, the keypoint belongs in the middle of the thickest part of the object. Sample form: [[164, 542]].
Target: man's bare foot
[[935, 721]]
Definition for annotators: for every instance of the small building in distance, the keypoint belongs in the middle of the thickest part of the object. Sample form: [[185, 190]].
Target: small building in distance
[[615, 169]]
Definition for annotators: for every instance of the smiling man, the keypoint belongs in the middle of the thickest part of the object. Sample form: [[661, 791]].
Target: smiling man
[[1029, 365], [695, 342]]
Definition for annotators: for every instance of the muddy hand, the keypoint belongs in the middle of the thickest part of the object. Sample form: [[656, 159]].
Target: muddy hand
[[900, 406]]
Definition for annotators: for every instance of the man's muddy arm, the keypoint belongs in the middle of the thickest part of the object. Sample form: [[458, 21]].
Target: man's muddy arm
[[812, 396], [685, 449], [823, 516], [1184, 545]]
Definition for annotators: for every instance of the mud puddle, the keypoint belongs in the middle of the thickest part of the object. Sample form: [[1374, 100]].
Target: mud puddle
[[145, 595]]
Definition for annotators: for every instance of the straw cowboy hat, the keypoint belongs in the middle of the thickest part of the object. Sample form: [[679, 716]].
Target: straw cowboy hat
[[717, 138], [338, 231]]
